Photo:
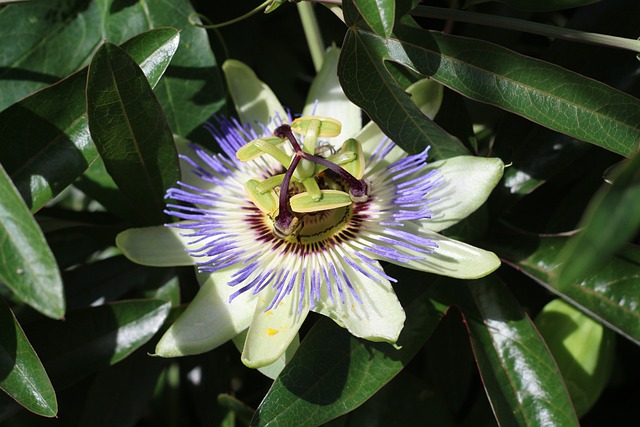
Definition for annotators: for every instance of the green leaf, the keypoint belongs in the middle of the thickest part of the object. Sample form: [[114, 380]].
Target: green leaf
[[537, 5], [94, 338], [60, 37], [134, 379], [583, 349], [519, 374], [379, 15], [611, 220], [333, 372], [610, 295], [22, 376], [192, 89], [368, 83], [46, 141], [539, 91], [27, 265], [130, 131], [54, 41], [105, 280]]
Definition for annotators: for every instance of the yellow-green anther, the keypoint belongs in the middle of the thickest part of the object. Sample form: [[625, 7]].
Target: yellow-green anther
[[251, 150], [266, 202], [329, 128], [270, 183], [312, 188], [355, 167], [331, 199], [270, 149], [342, 157]]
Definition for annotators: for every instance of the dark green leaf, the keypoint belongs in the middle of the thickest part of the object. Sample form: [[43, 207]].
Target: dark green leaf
[[60, 36], [105, 280], [379, 15], [44, 41], [544, 93], [519, 374], [538, 5], [192, 89], [119, 396], [27, 265], [332, 372], [611, 220], [611, 295], [368, 83], [131, 132], [46, 141], [94, 338], [22, 376], [98, 185]]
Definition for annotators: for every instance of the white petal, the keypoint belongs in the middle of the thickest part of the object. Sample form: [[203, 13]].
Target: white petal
[[332, 102], [158, 246], [210, 319], [371, 137], [451, 258], [255, 102], [273, 370], [272, 331], [186, 169], [379, 317], [468, 181]]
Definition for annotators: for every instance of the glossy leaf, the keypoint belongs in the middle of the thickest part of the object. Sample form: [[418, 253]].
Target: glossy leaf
[[332, 372], [519, 373], [27, 265], [539, 91], [385, 102], [46, 141], [36, 51], [583, 349], [22, 375], [379, 15], [611, 220], [611, 295], [538, 5], [192, 89], [94, 338], [130, 131]]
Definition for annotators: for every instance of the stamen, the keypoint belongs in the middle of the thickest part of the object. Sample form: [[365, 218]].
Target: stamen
[[357, 187], [286, 222]]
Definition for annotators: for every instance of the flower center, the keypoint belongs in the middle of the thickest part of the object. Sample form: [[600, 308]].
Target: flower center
[[313, 199]]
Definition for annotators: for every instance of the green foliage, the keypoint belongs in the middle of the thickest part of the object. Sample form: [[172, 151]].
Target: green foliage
[[95, 93]]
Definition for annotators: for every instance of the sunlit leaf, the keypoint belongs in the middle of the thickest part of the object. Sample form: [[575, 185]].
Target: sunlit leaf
[[46, 141], [22, 376], [27, 266], [611, 220], [611, 295], [539, 91], [130, 131], [519, 374]]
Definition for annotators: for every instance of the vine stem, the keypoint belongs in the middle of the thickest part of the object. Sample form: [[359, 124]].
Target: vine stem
[[526, 26], [312, 33]]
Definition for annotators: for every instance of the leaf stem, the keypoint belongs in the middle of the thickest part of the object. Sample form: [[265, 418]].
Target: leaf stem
[[252, 12], [312, 33], [526, 26]]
